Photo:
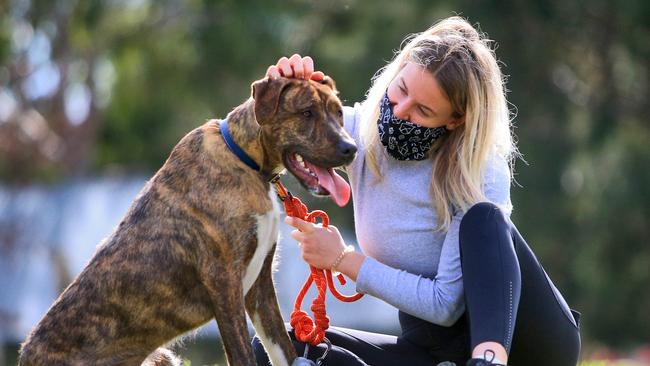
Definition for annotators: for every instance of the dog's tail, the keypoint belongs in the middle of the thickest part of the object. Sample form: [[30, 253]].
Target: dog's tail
[[162, 357]]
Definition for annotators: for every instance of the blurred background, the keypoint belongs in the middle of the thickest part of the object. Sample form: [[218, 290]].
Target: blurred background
[[94, 95]]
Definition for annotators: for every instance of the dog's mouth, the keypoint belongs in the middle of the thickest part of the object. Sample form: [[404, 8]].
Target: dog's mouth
[[318, 180]]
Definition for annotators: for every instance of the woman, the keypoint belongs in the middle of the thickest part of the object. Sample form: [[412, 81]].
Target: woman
[[431, 190]]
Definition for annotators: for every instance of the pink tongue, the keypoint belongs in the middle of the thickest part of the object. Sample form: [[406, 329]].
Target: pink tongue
[[337, 186]]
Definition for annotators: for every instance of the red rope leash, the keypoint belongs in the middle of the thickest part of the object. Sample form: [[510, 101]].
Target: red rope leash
[[305, 329]]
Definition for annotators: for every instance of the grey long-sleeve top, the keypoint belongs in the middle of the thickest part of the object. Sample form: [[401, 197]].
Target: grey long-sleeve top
[[409, 264]]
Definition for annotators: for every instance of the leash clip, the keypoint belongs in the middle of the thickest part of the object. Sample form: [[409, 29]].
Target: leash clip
[[321, 359], [275, 179], [305, 361]]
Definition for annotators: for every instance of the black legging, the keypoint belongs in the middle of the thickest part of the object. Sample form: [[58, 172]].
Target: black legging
[[504, 282], [509, 300]]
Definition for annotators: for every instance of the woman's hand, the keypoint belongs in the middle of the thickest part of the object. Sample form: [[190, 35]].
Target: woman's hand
[[295, 67], [321, 247]]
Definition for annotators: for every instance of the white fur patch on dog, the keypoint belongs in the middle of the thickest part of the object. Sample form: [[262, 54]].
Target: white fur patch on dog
[[267, 235], [162, 357], [273, 350]]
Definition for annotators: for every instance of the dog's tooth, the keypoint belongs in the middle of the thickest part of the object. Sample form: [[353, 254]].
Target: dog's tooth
[[299, 158]]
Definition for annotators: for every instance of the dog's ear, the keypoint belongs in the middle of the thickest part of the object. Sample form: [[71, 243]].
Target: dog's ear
[[329, 82], [266, 93]]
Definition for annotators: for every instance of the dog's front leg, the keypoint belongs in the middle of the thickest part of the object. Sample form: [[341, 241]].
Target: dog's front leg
[[264, 311], [227, 294]]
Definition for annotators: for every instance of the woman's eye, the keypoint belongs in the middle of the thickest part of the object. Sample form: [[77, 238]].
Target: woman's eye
[[307, 113], [340, 112]]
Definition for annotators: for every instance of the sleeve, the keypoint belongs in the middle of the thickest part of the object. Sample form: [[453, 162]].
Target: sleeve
[[439, 300], [351, 120], [496, 184]]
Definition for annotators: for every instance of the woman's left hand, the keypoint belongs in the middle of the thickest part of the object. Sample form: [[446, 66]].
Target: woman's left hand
[[295, 66], [320, 246]]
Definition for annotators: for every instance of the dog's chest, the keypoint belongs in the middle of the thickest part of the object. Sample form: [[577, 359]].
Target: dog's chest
[[267, 235]]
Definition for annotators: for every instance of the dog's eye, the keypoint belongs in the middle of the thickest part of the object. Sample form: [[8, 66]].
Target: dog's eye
[[307, 113]]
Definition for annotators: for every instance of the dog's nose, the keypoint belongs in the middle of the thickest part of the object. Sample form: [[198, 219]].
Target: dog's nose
[[346, 149]]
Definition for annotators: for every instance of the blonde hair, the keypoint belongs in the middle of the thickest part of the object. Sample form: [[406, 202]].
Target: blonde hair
[[466, 69]]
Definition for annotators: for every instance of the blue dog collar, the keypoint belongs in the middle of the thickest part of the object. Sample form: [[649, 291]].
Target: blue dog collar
[[241, 154]]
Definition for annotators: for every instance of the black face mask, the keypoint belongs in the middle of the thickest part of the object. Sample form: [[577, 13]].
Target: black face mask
[[404, 140]]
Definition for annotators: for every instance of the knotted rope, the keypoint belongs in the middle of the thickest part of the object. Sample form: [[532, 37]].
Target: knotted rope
[[305, 329]]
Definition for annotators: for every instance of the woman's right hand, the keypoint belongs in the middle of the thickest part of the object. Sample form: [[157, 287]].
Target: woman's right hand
[[295, 67]]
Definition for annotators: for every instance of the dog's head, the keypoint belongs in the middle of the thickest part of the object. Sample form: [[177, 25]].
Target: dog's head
[[302, 129]]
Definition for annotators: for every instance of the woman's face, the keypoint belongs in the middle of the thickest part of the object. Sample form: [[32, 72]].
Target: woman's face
[[416, 96]]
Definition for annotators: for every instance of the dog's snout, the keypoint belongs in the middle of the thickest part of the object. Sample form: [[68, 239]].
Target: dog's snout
[[346, 149]]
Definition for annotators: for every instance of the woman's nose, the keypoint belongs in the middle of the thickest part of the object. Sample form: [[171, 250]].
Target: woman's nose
[[400, 110]]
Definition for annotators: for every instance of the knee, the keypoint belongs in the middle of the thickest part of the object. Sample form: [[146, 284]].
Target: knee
[[481, 220], [482, 214]]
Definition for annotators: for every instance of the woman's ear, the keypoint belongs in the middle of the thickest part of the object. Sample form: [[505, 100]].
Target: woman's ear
[[454, 123]]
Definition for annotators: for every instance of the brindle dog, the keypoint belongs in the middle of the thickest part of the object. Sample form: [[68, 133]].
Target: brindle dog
[[198, 242]]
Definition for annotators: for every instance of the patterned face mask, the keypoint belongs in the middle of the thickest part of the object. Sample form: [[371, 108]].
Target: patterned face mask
[[404, 140]]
